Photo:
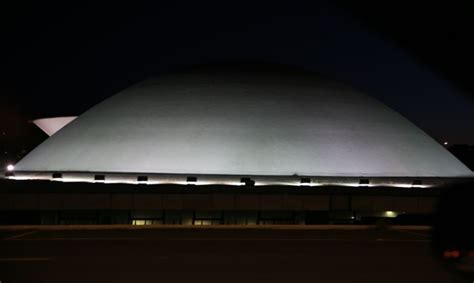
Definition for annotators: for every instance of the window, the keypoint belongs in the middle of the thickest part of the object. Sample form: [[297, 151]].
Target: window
[[191, 180], [57, 175], [305, 181], [9, 174], [140, 222], [247, 181], [364, 183], [99, 177], [142, 179], [203, 222], [416, 183]]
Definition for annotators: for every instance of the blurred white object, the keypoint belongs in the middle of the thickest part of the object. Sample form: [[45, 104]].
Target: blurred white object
[[51, 125]]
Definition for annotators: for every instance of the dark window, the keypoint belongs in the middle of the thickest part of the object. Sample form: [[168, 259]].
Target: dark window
[[142, 178], [9, 174], [191, 179], [247, 181], [364, 182], [57, 175], [99, 177], [305, 181], [417, 183]]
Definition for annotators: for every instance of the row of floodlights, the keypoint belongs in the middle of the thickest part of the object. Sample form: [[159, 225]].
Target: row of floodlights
[[192, 180]]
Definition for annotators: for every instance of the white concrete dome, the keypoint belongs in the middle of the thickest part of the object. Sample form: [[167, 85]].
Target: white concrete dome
[[238, 121]]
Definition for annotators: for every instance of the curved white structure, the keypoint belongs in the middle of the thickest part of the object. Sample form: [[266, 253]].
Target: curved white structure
[[51, 125], [219, 121]]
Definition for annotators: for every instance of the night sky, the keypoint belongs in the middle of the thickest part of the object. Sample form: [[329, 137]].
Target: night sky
[[60, 59]]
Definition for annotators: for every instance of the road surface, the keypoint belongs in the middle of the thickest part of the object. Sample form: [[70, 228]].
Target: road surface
[[218, 255]]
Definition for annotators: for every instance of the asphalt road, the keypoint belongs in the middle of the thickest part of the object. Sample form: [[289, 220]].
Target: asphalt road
[[219, 255]]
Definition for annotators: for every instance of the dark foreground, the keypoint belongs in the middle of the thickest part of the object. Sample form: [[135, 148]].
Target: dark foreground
[[219, 255]]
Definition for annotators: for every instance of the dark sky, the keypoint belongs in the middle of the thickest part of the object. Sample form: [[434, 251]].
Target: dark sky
[[61, 59]]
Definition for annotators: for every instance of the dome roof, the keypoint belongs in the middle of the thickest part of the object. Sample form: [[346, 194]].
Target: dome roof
[[237, 121]]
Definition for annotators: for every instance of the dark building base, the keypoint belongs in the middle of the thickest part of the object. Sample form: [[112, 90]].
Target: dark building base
[[45, 202]]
